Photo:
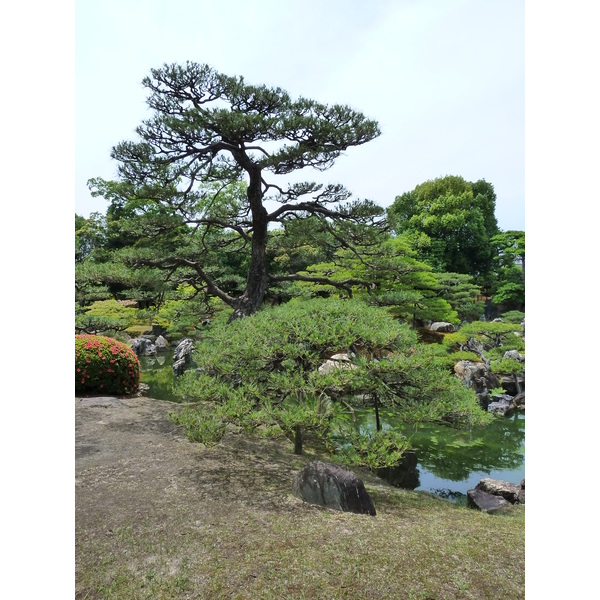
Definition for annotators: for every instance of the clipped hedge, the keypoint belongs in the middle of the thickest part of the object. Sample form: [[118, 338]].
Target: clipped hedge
[[105, 365]]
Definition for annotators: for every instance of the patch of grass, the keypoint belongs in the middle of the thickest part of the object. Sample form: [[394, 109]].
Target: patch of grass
[[136, 330]]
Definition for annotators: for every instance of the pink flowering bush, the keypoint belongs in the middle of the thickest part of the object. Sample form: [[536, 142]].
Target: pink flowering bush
[[104, 365]]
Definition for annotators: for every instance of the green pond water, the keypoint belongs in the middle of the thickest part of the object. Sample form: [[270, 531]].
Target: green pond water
[[448, 461], [157, 372], [451, 461]]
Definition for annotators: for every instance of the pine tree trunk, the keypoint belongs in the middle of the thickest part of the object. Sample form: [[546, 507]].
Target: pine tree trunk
[[298, 439], [377, 420], [256, 283]]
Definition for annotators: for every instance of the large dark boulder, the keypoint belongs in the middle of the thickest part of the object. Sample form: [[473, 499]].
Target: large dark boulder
[[518, 402], [509, 385], [334, 487], [493, 495], [182, 357], [485, 502]]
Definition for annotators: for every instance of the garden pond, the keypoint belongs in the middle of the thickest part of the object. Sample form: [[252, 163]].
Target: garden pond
[[446, 461]]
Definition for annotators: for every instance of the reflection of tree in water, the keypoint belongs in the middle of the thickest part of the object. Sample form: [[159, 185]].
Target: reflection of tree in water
[[405, 475], [454, 454], [157, 372]]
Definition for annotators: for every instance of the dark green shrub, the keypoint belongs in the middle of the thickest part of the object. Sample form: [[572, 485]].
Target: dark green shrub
[[513, 316], [375, 450], [105, 365], [261, 373]]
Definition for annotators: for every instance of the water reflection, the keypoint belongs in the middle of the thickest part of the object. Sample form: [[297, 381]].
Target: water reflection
[[157, 373], [405, 475], [450, 461]]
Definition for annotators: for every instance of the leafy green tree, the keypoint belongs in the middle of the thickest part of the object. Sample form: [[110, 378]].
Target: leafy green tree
[[389, 274], [185, 313], [89, 234], [513, 316], [461, 293], [209, 129], [510, 249], [105, 316], [510, 367], [111, 278], [510, 269], [451, 222], [385, 274]]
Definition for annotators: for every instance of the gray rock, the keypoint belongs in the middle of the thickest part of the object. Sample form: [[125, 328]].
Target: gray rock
[[142, 346], [519, 401], [331, 486], [182, 357], [104, 401], [161, 344], [337, 361], [477, 376], [521, 497], [514, 354], [501, 407], [502, 398], [485, 502], [508, 383], [442, 326], [497, 487]]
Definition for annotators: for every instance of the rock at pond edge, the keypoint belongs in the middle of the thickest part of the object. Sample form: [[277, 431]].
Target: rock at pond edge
[[497, 487], [487, 503]]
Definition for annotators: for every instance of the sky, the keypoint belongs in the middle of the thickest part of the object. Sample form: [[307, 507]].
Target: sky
[[445, 79]]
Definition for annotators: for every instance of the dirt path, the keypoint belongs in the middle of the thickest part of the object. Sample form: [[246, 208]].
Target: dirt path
[[143, 490], [130, 457]]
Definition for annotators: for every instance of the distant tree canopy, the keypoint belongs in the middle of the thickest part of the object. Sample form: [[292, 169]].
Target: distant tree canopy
[[209, 132], [451, 222], [509, 268]]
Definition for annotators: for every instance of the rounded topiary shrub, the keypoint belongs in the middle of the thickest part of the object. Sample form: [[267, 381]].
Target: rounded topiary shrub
[[105, 365]]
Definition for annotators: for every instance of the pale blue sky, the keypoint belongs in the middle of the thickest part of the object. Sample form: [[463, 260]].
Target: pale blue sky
[[444, 79]]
